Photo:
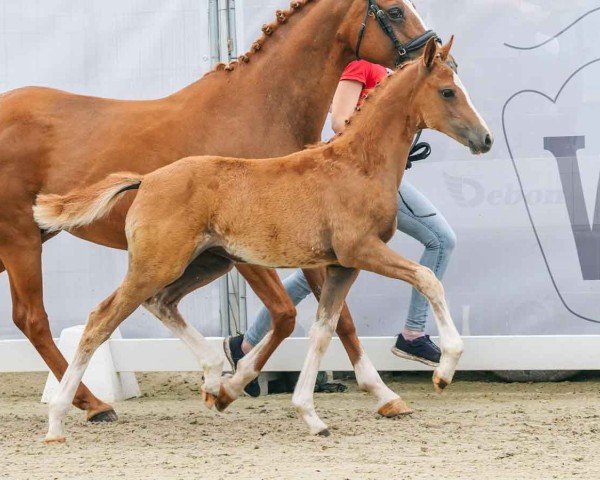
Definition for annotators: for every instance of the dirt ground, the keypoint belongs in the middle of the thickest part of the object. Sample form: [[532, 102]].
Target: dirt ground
[[479, 429]]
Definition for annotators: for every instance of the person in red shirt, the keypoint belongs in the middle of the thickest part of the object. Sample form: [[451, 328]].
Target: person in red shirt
[[416, 216], [359, 76]]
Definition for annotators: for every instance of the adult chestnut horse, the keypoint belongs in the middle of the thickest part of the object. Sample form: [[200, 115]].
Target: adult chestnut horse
[[272, 102], [332, 206]]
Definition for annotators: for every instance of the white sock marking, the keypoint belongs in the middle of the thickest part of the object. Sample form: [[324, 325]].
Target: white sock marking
[[320, 337], [246, 370], [451, 343], [210, 361], [368, 379], [61, 403]]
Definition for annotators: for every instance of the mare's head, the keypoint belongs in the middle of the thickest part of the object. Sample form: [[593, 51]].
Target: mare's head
[[441, 101], [388, 32]]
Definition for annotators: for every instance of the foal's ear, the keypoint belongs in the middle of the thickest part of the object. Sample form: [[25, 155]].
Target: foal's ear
[[430, 52], [445, 50]]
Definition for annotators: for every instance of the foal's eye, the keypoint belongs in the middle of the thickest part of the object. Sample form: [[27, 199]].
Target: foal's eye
[[448, 93], [395, 13]]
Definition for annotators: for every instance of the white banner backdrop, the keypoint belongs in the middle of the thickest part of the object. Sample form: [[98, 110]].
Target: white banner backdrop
[[517, 269], [130, 49], [526, 214]]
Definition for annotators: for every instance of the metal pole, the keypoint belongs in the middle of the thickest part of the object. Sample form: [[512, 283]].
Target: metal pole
[[213, 31], [224, 305], [232, 287], [232, 31], [223, 30]]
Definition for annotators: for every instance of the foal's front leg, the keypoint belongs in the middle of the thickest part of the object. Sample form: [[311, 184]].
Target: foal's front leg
[[377, 257], [337, 284], [389, 404]]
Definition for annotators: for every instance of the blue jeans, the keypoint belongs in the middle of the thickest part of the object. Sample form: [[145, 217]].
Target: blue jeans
[[418, 218]]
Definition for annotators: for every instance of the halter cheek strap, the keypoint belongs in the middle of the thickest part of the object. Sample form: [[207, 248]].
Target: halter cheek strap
[[383, 20]]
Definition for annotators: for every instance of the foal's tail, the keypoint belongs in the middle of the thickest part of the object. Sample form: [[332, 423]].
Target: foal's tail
[[84, 205]]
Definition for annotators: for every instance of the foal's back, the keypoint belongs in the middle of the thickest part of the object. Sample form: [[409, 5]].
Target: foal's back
[[277, 212]]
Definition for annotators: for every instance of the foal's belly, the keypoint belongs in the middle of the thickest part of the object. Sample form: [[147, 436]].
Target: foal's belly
[[279, 255]]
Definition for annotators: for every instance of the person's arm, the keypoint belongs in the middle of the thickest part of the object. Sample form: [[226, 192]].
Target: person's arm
[[344, 103]]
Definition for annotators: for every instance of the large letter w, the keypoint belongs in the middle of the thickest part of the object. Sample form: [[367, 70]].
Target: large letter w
[[587, 237]]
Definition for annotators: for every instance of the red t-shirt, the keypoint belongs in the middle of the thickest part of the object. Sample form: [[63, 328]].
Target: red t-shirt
[[367, 73]]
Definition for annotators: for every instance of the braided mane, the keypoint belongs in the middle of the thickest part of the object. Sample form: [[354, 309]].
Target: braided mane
[[281, 17]]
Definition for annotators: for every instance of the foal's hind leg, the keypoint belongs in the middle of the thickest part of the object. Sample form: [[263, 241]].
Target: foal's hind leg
[[154, 263], [337, 284], [203, 270], [21, 252], [377, 257], [389, 404], [101, 324]]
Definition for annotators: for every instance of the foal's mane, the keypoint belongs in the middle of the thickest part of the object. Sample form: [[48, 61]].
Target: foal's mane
[[281, 17]]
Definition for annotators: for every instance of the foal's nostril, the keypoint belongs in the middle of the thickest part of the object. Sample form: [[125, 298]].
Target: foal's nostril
[[488, 140]]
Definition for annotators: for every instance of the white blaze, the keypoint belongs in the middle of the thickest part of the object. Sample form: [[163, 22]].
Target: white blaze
[[460, 85]]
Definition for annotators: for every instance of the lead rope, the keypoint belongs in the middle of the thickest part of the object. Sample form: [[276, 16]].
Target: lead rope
[[418, 151]]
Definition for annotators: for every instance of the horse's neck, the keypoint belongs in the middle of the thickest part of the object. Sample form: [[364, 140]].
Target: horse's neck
[[286, 88], [381, 134]]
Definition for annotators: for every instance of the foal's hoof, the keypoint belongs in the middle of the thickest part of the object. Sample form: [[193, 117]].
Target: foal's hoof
[[395, 408], [324, 433], [439, 383], [54, 440], [209, 399], [107, 416], [224, 399]]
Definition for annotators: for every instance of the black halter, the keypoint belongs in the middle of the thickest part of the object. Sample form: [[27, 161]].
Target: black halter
[[383, 20]]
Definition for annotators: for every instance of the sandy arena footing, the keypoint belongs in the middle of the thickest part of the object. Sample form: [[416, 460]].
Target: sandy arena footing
[[478, 429]]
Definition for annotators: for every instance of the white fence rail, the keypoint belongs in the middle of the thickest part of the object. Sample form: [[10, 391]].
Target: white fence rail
[[578, 352]]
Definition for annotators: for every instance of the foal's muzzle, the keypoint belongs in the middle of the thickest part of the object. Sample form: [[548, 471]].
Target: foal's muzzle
[[480, 142]]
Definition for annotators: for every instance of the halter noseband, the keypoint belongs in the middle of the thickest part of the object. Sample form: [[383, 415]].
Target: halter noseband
[[383, 20]]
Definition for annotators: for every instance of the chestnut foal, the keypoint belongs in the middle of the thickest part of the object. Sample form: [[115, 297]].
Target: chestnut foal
[[332, 205], [52, 142]]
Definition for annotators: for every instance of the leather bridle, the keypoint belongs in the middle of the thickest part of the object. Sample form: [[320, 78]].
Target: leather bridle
[[402, 50]]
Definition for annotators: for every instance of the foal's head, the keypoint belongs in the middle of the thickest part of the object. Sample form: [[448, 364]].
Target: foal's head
[[442, 102]]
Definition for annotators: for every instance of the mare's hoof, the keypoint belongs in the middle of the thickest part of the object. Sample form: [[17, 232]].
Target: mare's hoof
[[107, 416], [395, 408], [439, 383], [54, 440], [224, 399], [324, 433], [209, 399]]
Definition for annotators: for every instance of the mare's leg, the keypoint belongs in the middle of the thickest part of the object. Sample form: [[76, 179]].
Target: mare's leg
[[377, 257], [337, 284], [268, 287], [389, 404], [21, 253], [203, 270], [154, 263]]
